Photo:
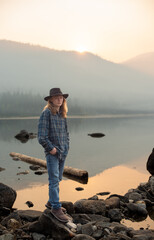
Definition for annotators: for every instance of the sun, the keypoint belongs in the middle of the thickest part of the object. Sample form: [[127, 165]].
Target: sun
[[81, 49]]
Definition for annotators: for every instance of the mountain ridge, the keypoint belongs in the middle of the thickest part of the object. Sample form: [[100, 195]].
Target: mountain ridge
[[89, 79], [143, 63]]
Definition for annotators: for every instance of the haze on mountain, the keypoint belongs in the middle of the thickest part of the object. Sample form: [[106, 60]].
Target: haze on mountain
[[143, 63], [90, 80]]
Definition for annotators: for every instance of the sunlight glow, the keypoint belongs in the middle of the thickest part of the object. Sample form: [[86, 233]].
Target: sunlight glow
[[81, 49]]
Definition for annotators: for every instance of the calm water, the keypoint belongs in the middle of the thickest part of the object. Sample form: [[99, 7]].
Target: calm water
[[115, 162]]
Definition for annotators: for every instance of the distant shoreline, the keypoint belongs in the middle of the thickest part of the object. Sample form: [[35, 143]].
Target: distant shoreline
[[86, 116]]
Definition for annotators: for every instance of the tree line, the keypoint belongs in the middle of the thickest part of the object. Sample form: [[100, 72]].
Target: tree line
[[18, 104], [27, 104]]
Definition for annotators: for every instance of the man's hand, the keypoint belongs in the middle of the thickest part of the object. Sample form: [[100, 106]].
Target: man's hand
[[53, 151]]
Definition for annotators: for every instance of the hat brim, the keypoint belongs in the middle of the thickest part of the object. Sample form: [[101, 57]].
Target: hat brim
[[64, 95]]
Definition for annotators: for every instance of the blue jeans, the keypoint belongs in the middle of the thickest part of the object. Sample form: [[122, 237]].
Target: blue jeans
[[55, 168]]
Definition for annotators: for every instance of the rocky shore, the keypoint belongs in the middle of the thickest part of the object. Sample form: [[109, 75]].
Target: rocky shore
[[94, 218]]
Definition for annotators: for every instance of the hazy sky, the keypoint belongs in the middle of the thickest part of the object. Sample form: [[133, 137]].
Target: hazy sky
[[113, 29]]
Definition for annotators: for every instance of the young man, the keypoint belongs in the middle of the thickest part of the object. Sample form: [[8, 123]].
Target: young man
[[54, 137]]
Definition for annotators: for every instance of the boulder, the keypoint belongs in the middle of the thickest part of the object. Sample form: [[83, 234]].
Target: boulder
[[136, 212], [13, 215], [133, 196], [68, 206], [29, 215], [88, 228], [151, 183], [90, 206], [7, 236], [35, 227], [142, 234], [150, 163], [51, 226], [7, 196], [113, 202], [115, 215]]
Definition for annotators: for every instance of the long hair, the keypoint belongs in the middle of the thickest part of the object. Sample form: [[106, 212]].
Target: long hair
[[63, 108]]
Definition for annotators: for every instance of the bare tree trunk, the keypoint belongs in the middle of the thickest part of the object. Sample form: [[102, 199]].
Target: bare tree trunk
[[69, 172]]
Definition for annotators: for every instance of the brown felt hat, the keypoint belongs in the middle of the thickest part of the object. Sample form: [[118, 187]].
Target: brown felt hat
[[55, 92]]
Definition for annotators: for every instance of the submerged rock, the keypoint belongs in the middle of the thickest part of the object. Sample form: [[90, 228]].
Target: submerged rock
[[29, 204], [24, 136], [96, 135], [2, 169], [103, 193], [79, 188]]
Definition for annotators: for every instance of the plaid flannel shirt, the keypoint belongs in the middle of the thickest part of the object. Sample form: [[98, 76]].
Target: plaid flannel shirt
[[52, 132]]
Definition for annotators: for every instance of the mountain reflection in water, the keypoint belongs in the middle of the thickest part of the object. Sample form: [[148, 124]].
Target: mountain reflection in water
[[116, 180]]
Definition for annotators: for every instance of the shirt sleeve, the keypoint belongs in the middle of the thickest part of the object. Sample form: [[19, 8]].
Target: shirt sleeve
[[43, 131], [68, 138]]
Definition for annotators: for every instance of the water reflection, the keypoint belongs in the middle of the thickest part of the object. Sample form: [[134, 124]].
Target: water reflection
[[117, 180], [125, 139]]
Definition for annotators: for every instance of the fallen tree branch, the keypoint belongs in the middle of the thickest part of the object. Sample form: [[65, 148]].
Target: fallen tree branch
[[69, 172]]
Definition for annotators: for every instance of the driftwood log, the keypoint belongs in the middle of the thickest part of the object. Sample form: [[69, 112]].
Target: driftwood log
[[69, 172]]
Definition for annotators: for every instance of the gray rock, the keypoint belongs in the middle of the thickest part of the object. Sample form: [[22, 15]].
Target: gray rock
[[103, 193], [29, 204], [133, 196], [122, 236], [113, 202], [40, 172], [83, 237], [29, 215], [88, 228], [97, 217], [143, 237], [90, 206], [97, 234], [151, 183], [13, 215], [7, 196], [53, 227], [136, 211], [79, 188], [121, 228], [35, 227], [150, 163], [24, 136], [95, 197], [13, 224], [115, 215], [34, 167], [69, 206], [147, 233], [7, 236], [37, 236], [81, 218]]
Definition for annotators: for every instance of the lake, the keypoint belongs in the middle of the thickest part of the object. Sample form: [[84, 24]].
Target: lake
[[115, 163]]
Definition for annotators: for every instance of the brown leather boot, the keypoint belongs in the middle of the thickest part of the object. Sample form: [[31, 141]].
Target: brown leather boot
[[58, 213], [48, 205]]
